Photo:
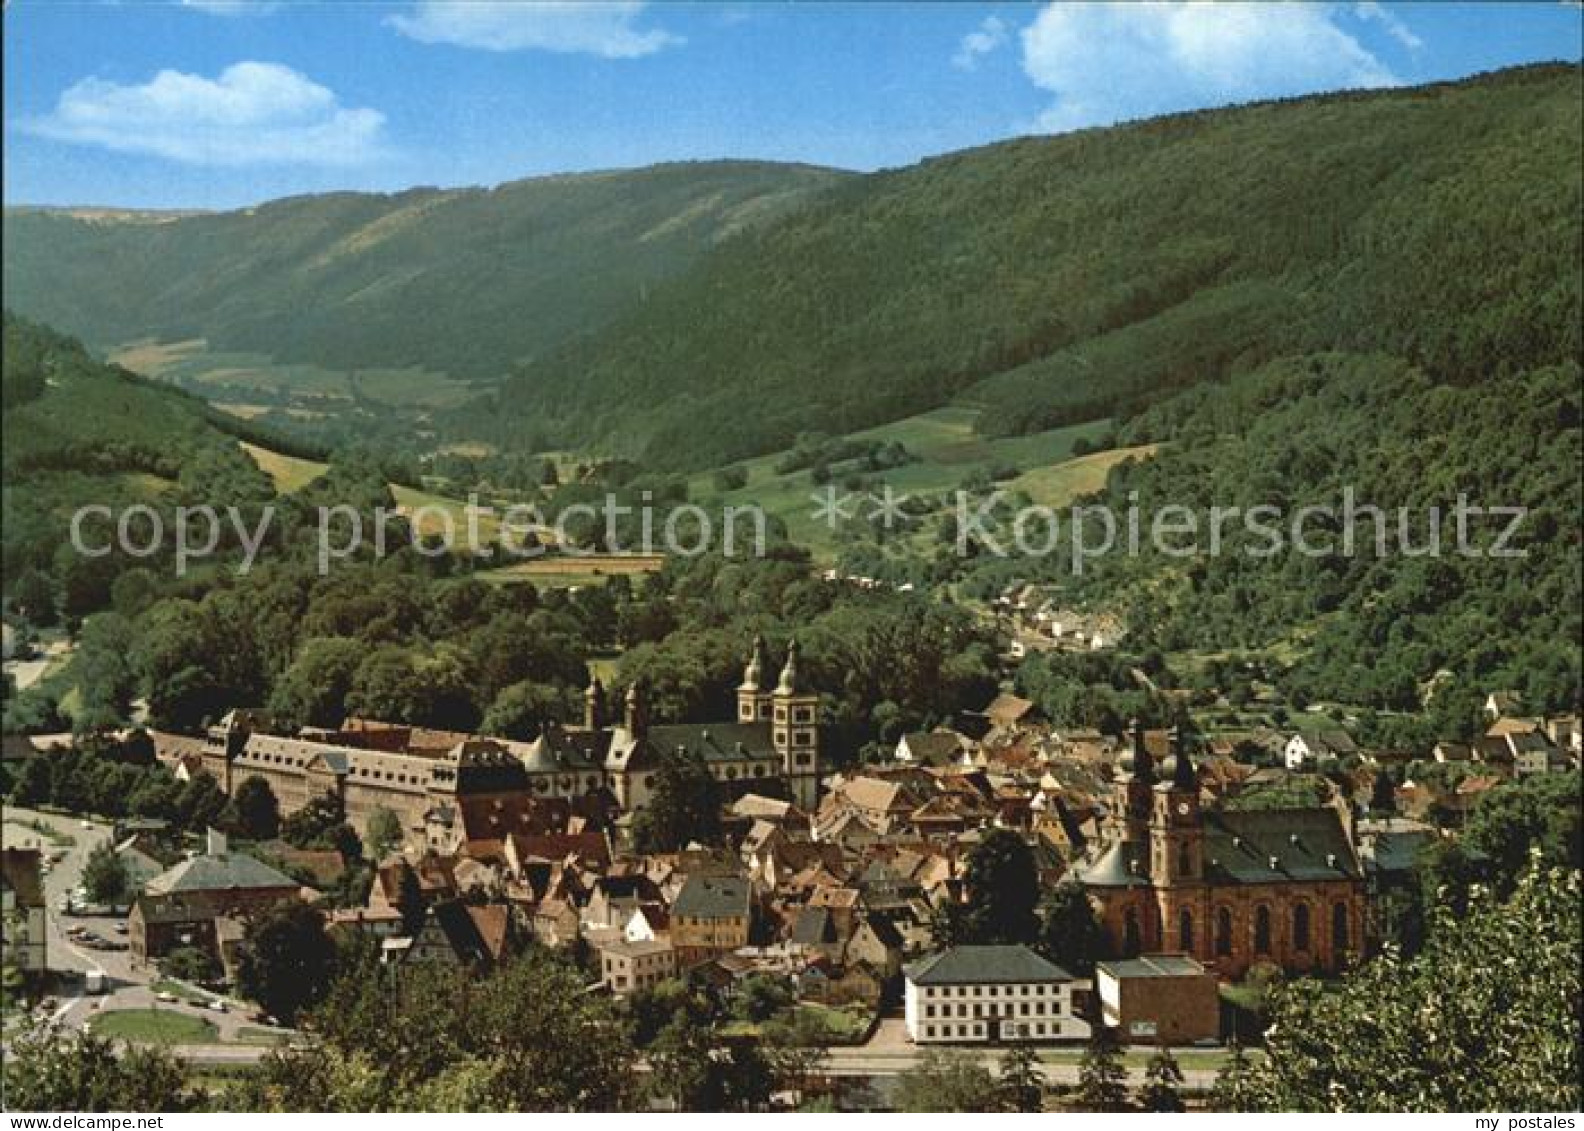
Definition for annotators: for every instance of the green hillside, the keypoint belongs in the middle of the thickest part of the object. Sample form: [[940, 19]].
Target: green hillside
[[1051, 280], [1375, 628], [461, 282], [78, 432]]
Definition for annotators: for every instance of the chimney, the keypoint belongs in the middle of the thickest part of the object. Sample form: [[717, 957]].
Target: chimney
[[594, 705], [215, 843]]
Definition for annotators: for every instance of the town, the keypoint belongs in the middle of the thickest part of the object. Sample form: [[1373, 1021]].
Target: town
[[635, 558], [1005, 882]]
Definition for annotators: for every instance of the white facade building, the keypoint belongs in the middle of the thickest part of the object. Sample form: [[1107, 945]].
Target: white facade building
[[976, 994]]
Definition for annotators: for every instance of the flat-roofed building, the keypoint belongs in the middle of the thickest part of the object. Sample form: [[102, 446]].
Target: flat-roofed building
[[1167, 999], [627, 966]]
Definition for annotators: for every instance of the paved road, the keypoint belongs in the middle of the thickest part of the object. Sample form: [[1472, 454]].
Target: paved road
[[28, 672], [889, 1053], [128, 980]]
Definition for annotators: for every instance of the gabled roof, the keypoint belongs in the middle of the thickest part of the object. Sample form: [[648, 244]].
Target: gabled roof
[[982, 965], [934, 746], [1006, 709], [717, 742], [814, 926], [713, 897], [759, 807], [455, 921], [228, 871], [1276, 845], [1328, 740], [874, 794]]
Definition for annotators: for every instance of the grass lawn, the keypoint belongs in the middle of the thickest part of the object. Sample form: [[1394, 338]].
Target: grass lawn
[[842, 1026], [154, 1027], [257, 1035]]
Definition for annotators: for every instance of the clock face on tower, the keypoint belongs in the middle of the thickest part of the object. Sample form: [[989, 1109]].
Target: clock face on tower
[[1182, 808]]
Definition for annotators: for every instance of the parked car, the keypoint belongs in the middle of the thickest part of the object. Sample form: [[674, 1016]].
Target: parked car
[[217, 1005], [165, 996]]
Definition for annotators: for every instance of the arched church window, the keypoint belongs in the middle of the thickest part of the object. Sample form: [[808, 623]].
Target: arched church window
[[1301, 927], [1262, 930], [1185, 938], [1223, 945], [1131, 941], [1339, 929]]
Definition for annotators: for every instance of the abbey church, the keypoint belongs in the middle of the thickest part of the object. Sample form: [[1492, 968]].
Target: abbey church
[[1229, 887]]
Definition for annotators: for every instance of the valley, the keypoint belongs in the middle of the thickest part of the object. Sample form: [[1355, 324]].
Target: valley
[[996, 695]]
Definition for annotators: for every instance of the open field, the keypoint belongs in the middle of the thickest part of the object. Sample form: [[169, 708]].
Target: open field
[[433, 512], [193, 363], [1057, 485], [946, 452], [438, 514], [289, 473], [564, 571]]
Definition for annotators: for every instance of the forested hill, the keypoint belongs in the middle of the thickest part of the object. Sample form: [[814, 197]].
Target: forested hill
[[693, 314], [1071, 277], [464, 282], [78, 432]]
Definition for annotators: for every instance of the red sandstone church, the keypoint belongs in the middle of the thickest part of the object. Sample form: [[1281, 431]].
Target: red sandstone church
[[1231, 888]]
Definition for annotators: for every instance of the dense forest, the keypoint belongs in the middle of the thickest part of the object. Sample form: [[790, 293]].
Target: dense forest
[[693, 314], [411, 636], [1360, 625], [458, 281], [79, 432], [1368, 292], [1085, 275]]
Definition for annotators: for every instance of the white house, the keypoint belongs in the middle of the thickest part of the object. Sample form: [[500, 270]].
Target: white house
[[938, 747], [24, 939], [1307, 749], [976, 994], [627, 967]]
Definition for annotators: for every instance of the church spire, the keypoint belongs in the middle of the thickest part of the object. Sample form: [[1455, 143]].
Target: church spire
[[791, 680], [1143, 764], [1183, 776], [753, 674]]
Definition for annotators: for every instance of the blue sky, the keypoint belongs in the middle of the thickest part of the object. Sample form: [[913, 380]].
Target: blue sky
[[222, 103]]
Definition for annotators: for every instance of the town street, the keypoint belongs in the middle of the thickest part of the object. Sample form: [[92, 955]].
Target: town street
[[128, 983], [889, 1053]]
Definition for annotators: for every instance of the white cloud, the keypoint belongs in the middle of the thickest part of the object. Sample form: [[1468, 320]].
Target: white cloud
[[232, 7], [252, 114], [1370, 11], [1108, 63], [988, 37], [605, 29]]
